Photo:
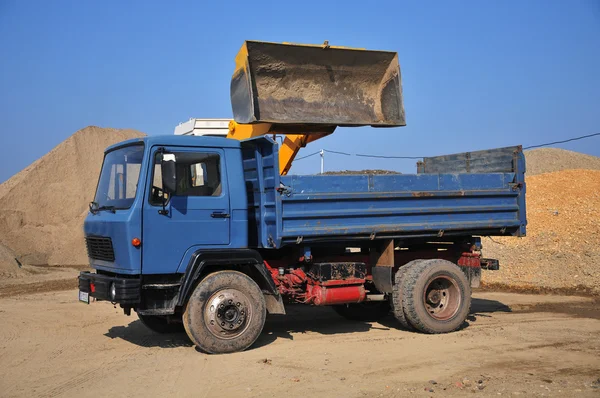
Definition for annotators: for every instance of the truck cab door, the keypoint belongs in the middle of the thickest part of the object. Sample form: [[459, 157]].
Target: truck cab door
[[196, 216]]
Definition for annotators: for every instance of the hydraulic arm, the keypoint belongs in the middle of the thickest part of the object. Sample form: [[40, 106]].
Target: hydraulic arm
[[292, 141], [304, 92]]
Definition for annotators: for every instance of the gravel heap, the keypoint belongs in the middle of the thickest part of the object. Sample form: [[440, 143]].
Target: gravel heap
[[42, 208], [562, 246], [547, 160]]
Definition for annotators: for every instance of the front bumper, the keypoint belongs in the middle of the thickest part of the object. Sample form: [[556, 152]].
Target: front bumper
[[127, 290]]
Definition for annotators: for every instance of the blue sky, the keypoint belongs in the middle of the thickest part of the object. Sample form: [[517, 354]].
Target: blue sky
[[476, 75]]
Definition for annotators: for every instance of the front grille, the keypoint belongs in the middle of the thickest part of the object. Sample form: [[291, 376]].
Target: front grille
[[100, 248]]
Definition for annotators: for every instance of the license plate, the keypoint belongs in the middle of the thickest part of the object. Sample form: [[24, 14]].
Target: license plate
[[84, 297]]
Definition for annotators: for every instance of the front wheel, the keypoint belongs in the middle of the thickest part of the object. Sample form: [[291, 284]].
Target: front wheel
[[225, 313], [436, 296]]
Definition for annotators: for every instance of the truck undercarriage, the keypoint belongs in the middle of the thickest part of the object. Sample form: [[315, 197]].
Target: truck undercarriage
[[329, 275]]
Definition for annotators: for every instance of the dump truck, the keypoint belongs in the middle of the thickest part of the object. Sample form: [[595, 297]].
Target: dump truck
[[210, 234]]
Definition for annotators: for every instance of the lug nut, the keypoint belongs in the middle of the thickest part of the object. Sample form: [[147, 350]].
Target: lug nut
[[221, 306], [231, 326], [222, 323], [238, 304], [230, 301], [218, 315]]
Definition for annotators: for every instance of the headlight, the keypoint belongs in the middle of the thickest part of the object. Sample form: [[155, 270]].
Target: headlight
[[113, 291]]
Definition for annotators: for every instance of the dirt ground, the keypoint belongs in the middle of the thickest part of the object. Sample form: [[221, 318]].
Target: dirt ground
[[514, 344], [36, 279]]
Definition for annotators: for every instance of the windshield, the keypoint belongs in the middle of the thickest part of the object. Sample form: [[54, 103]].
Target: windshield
[[119, 177]]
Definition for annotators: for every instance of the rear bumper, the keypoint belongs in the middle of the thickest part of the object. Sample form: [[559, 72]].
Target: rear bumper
[[127, 290]]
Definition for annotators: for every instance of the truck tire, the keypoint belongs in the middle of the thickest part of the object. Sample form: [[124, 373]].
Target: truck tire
[[365, 312], [397, 306], [436, 296], [159, 324], [225, 313]]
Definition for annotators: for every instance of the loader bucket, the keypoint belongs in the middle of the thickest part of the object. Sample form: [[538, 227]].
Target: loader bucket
[[302, 84]]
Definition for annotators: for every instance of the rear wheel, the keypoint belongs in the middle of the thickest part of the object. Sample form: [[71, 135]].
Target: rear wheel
[[160, 324], [370, 311], [225, 313], [436, 296]]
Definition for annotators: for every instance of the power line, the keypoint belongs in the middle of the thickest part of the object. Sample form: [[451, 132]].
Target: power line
[[561, 142], [389, 157], [339, 153], [362, 155], [421, 157], [307, 156], [373, 156]]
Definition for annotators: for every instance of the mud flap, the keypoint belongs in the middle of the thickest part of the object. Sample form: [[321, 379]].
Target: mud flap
[[473, 275], [382, 278]]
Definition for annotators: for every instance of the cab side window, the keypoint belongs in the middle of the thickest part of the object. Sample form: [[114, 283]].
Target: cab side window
[[198, 174]]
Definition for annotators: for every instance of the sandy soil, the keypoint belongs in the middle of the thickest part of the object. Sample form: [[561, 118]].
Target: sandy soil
[[51, 345]]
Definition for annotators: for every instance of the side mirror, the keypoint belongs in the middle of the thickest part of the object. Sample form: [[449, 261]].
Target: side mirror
[[169, 175]]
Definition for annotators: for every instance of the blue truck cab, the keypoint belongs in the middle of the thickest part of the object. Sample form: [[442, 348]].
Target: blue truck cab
[[208, 210], [202, 234]]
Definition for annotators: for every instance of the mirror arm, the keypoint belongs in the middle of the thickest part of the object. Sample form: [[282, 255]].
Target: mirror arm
[[164, 210]]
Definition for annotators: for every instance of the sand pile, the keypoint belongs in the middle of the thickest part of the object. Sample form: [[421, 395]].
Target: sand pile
[[562, 247], [547, 160], [42, 208], [9, 265]]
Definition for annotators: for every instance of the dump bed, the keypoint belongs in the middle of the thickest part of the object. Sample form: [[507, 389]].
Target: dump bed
[[476, 193]]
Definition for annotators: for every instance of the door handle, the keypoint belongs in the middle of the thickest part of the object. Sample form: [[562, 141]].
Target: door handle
[[218, 214]]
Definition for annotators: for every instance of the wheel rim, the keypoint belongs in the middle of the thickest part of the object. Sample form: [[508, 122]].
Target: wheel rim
[[442, 298], [228, 313]]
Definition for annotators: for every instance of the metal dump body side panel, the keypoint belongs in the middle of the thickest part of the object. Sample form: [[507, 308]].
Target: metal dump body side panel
[[293, 209], [500, 160], [372, 206]]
